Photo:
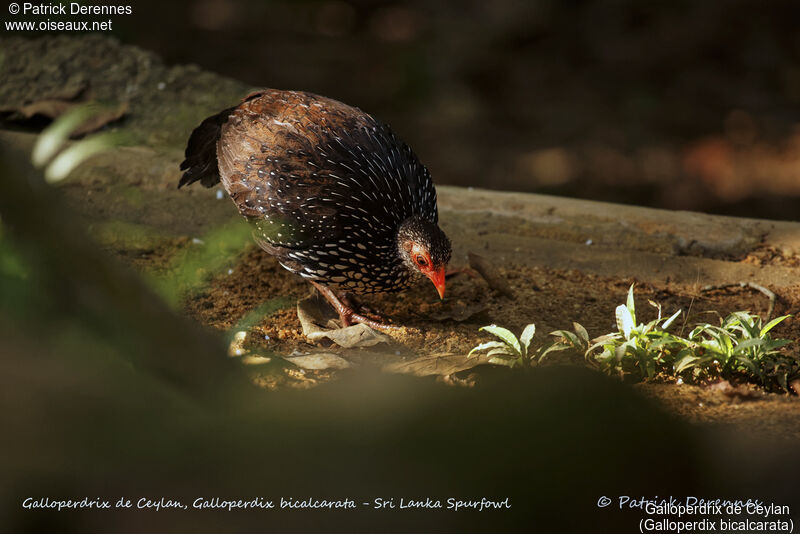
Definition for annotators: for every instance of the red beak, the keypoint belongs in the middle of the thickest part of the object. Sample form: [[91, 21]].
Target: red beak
[[437, 277]]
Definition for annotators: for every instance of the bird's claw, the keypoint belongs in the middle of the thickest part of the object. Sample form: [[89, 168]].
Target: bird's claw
[[346, 305], [350, 318], [361, 313]]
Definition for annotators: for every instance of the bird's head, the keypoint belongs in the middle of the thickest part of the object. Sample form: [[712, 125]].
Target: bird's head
[[425, 249]]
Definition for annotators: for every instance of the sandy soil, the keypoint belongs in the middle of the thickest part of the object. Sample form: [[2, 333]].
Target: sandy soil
[[552, 299]]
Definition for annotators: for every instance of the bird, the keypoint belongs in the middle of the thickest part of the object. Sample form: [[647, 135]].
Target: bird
[[330, 191]]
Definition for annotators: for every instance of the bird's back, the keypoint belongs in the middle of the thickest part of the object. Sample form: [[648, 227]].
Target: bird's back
[[325, 184]]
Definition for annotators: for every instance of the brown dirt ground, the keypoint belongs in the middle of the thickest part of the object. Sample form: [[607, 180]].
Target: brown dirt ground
[[552, 299]]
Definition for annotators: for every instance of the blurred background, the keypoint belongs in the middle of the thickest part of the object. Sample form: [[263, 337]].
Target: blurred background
[[109, 392], [673, 104]]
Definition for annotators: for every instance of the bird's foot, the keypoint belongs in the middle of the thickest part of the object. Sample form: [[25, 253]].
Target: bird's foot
[[349, 318], [350, 301], [356, 312], [351, 311]]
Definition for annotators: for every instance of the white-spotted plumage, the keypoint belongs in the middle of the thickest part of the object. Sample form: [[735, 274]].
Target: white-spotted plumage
[[326, 186]]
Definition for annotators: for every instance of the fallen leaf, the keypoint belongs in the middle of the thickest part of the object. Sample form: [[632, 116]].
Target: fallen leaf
[[359, 335], [318, 322], [315, 313], [436, 364]]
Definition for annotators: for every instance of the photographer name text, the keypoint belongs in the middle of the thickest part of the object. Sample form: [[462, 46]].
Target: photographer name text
[[74, 12]]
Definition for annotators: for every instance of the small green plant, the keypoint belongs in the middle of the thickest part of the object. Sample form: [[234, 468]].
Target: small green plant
[[59, 160], [576, 342], [509, 351], [643, 349], [740, 346], [741, 343]]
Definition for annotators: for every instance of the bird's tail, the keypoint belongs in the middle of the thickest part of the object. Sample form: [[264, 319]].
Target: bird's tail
[[201, 151]]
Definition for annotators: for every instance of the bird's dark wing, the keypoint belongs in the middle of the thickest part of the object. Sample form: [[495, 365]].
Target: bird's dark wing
[[269, 161], [308, 170], [200, 161]]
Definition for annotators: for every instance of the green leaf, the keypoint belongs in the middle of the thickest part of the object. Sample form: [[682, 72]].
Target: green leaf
[[727, 344], [581, 331], [712, 347], [772, 324], [661, 341], [783, 379], [669, 321], [747, 323], [54, 136], [606, 355], [649, 326], [602, 341], [630, 304], [657, 306], [624, 322], [501, 352], [619, 352], [748, 363], [488, 345], [527, 336], [65, 162], [501, 361], [687, 362], [649, 366], [555, 347], [504, 334], [574, 340], [699, 329], [776, 344], [748, 344]]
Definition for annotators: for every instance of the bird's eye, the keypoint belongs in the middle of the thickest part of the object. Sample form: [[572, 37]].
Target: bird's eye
[[422, 262]]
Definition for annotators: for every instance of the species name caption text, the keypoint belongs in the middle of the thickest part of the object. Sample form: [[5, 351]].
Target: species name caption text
[[693, 514], [258, 503], [64, 17]]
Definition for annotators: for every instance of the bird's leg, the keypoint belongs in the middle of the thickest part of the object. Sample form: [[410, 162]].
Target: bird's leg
[[346, 313], [350, 300]]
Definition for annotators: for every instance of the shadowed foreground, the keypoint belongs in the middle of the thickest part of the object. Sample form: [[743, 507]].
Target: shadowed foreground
[[109, 392], [96, 408]]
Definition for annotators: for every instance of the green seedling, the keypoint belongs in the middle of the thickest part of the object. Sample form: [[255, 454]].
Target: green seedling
[[576, 342], [741, 343], [509, 351], [59, 160], [643, 348], [740, 346]]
